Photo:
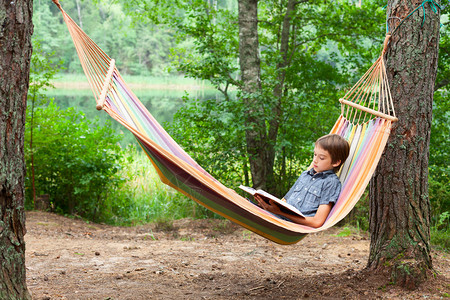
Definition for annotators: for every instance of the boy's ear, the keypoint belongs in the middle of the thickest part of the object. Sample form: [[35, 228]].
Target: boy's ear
[[336, 163]]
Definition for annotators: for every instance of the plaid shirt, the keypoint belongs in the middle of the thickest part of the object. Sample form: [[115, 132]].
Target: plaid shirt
[[313, 189]]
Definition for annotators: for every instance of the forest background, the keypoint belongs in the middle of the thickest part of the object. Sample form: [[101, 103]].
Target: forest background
[[187, 58]]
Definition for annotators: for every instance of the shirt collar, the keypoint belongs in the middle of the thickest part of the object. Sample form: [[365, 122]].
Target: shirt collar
[[323, 174]]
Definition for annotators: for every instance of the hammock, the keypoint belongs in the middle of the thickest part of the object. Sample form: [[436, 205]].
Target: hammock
[[365, 121]]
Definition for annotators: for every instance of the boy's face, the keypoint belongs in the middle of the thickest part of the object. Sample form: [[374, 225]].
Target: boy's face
[[322, 160]]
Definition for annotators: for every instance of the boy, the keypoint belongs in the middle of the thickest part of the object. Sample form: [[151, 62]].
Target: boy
[[317, 189]]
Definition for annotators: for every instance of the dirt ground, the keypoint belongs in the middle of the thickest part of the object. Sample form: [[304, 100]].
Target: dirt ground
[[203, 259]]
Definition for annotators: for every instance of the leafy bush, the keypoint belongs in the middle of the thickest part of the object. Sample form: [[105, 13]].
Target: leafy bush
[[439, 170], [75, 161]]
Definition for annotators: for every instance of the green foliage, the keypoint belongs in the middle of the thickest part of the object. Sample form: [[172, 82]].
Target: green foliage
[[76, 161], [346, 231], [439, 169], [440, 232], [69, 158], [43, 69], [80, 166], [139, 49], [443, 74]]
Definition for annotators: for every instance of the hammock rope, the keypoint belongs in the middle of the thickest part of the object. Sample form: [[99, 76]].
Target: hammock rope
[[366, 119], [433, 5]]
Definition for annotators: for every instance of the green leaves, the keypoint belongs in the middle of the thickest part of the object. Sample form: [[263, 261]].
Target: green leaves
[[139, 48], [76, 161], [43, 69]]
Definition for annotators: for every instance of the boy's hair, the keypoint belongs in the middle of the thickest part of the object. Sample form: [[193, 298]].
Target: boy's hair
[[337, 146]]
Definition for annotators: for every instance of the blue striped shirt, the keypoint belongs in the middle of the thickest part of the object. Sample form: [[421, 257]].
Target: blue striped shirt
[[313, 189]]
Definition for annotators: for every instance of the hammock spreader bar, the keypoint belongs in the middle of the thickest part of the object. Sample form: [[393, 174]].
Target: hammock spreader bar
[[368, 110], [102, 98], [366, 130]]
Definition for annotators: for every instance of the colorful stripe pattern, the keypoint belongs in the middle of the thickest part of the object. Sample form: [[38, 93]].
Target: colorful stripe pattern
[[178, 170]]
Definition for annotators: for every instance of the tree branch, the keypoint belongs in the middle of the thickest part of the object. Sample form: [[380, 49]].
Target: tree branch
[[325, 35], [441, 84]]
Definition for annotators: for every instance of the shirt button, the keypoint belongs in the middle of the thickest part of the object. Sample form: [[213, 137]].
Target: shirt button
[[306, 189]]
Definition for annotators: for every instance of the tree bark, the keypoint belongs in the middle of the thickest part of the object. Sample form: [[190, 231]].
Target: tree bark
[[250, 75], [399, 202], [261, 137], [15, 53]]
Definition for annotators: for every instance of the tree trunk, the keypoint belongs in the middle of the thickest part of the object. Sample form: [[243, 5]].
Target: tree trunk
[[261, 138], [250, 75], [277, 113], [15, 53], [399, 202], [80, 22]]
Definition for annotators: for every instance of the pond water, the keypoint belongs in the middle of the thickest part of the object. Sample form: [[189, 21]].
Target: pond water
[[161, 103]]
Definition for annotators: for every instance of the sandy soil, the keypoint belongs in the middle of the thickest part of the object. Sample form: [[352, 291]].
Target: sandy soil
[[203, 259]]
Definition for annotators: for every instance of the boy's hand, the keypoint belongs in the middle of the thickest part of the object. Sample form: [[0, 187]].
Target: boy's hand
[[260, 201], [271, 206]]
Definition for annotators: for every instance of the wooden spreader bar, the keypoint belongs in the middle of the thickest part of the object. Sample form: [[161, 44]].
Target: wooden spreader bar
[[102, 98], [368, 110]]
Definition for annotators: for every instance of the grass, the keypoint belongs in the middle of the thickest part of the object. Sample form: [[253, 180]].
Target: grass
[[440, 239], [440, 232], [349, 230], [144, 198]]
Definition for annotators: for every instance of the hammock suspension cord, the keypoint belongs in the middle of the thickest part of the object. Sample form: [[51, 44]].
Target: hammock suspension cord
[[433, 5]]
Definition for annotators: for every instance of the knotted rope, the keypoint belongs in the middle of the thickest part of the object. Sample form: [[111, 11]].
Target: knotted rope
[[433, 5]]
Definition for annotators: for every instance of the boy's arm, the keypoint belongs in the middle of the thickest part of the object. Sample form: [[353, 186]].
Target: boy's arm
[[315, 222]]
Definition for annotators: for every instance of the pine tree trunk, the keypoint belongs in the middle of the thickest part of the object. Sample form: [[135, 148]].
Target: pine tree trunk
[[250, 75], [15, 53], [399, 202]]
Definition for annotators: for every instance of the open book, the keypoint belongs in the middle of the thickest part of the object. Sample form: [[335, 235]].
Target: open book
[[285, 207]]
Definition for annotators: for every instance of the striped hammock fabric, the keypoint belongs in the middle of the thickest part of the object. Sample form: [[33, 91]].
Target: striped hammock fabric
[[365, 122]]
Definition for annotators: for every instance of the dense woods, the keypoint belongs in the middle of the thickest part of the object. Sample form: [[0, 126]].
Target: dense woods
[[279, 68], [140, 48]]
